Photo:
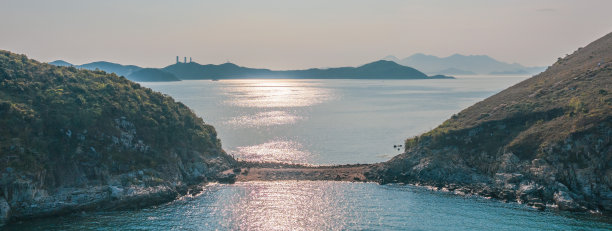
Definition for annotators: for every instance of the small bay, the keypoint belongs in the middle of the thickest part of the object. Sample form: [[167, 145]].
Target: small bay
[[325, 122]]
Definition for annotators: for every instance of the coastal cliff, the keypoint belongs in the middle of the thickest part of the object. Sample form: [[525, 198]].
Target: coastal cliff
[[545, 142], [74, 139]]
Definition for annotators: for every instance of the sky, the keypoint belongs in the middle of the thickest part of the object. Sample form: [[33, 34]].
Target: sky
[[288, 34]]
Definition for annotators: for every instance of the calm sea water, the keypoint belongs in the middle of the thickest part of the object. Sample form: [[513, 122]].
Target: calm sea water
[[325, 122]]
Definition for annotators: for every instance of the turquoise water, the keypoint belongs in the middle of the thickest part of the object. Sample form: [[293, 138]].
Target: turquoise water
[[325, 122], [307, 205]]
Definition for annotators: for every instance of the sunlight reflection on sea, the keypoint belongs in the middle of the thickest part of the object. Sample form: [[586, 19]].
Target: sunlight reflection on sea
[[275, 93]]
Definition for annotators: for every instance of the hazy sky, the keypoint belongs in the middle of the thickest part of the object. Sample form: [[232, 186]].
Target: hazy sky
[[285, 34]]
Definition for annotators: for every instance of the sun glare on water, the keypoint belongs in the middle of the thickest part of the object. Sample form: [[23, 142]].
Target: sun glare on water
[[262, 93], [275, 151], [268, 104]]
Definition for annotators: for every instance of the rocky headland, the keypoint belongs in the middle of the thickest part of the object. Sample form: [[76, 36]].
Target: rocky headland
[[74, 140], [545, 142]]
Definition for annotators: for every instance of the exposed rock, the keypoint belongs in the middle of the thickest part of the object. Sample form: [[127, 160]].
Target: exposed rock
[[565, 201], [5, 211], [115, 192], [227, 177]]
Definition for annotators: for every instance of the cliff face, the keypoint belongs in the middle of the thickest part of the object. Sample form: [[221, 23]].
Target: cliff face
[[545, 141], [75, 139]]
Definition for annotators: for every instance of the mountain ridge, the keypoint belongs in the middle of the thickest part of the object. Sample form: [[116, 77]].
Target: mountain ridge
[[375, 70], [477, 64], [380, 69]]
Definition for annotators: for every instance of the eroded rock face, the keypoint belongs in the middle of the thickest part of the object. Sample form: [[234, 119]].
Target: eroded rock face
[[5, 211], [26, 198], [94, 184], [564, 200]]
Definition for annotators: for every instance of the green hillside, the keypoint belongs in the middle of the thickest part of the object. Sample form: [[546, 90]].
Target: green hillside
[[64, 128]]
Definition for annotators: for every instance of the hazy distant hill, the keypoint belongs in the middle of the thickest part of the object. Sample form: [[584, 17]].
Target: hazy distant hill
[[61, 63], [131, 72], [152, 75], [455, 71], [375, 70], [122, 70], [457, 64]]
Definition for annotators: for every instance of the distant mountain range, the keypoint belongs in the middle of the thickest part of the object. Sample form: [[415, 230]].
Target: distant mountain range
[[463, 65], [381, 69]]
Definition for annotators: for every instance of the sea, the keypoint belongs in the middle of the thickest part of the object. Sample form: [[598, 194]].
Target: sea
[[324, 122]]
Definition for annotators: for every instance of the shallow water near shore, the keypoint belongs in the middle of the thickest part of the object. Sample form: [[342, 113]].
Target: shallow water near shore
[[322, 205], [325, 122]]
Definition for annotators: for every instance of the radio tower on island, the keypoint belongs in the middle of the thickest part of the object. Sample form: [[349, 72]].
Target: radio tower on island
[[184, 60]]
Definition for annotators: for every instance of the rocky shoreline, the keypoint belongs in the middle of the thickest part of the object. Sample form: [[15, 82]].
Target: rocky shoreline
[[536, 183], [506, 187], [25, 199], [510, 186]]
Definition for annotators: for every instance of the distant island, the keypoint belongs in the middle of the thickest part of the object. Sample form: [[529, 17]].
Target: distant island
[[381, 69], [458, 64]]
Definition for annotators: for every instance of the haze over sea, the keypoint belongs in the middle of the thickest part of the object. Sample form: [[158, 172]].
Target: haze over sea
[[325, 122]]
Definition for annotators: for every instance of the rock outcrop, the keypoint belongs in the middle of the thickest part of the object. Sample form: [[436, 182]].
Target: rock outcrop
[[545, 142]]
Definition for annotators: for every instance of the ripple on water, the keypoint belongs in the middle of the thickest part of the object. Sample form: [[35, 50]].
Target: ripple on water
[[264, 119]]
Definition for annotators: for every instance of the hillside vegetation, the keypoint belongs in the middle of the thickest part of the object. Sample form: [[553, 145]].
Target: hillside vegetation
[[95, 136], [545, 141]]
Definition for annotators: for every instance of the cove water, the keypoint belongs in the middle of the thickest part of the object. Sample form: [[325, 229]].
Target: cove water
[[325, 122]]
